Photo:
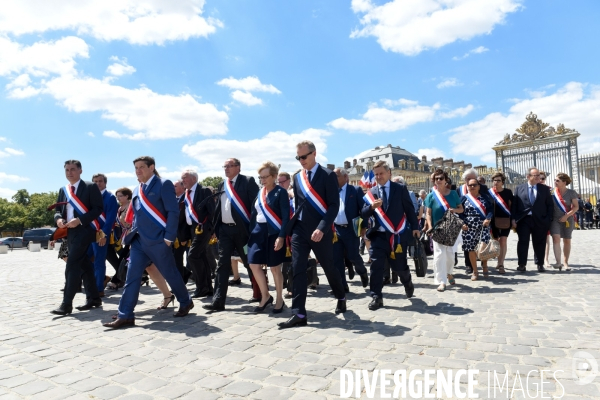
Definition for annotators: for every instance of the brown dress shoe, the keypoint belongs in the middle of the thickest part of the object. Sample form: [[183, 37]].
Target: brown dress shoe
[[120, 323], [183, 311]]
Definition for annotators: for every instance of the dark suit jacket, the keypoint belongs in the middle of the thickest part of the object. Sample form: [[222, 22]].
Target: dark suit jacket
[[542, 209], [161, 194], [247, 189], [90, 196], [399, 204], [110, 211], [326, 185], [205, 211], [279, 202], [353, 204], [183, 229]]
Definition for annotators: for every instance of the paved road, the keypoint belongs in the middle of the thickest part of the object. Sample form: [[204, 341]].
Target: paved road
[[506, 324]]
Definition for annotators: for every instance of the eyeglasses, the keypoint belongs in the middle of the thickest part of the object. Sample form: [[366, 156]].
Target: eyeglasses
[[535, 176], [439, 178], [473, 185], [230, 166], [304, 157], [557, 180], [542, 179], [263, 177], [283, 181]]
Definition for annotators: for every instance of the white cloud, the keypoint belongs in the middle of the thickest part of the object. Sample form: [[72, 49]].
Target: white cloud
[[120, 67], [278, 147], [134, 21], [381, 119], [412, 26], [248, 84], [14, 152], [7, 193], [431, 152], [91, 134], [449, 82], [3, 139], [4, 177], [478, 50], [576, 105], [245, 98]]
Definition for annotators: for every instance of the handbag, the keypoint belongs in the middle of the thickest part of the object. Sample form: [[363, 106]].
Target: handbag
[[420, 258], [447, 229], [487, 251], [501, 222]]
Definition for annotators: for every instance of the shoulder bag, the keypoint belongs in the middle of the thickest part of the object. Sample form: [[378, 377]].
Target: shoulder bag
[[447, 229], [487, 251]]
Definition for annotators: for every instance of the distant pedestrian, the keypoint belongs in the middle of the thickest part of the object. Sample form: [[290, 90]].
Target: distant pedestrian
[[565, 206]]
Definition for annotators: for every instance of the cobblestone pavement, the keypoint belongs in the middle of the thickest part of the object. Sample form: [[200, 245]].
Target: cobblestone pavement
[[515, 322]]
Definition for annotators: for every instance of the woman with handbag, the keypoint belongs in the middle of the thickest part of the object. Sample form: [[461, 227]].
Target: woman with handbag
[[441, 200], [502, 198], [477, 218], [565, 206]]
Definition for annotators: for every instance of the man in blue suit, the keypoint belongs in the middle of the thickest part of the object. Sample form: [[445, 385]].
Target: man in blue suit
[[154, 229], [395, 204], [346, 246], [317, 202], [107, 222]]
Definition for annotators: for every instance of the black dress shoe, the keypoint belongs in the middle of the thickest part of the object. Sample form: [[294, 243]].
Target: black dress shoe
[[254, 300], [183, 311], [202, 293], [62, 310], [541, 268], [213, 307], [469, 270], [376, 303], [237, 281], [410, 290], [341, 307], [89, 304], [351, 272], [364, 278], [521, 268], [120, 323], [293, 321]]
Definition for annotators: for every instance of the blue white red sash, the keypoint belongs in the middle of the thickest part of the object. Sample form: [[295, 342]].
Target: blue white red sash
[[150, 210], [499, 200], [291, 208], [78, 205], [560, 202], [236, 201], [477, 204], [441, 199], [464, 190], [189, 208], [311, 194], [386, 222], [270, 215]]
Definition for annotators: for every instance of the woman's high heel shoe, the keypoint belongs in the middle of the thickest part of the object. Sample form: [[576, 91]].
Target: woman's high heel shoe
[[171, 300], [262, 308], [279, 310]]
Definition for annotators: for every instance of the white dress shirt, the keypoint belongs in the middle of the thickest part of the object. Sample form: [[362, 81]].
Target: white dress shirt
[[260, 216], [192, 194], [70, 213], [341, 217], [226, 216], [313, 170]]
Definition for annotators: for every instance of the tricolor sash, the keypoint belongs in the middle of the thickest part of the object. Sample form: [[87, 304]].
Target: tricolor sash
[[189, 208], [236, 201], [311, 194], [150, 210], [560, 202], [270, 215], [464, 190], [441, 199], [499, 200], [79, 206], [477, 204], [386, 222]]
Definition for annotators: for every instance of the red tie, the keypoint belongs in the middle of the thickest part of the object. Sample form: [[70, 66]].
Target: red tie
[[188, 191], [72, 189], [231, 183]]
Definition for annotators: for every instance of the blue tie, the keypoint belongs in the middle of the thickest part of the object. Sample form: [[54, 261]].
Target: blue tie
[[384, 198], [144, 187], [531, 195], [309, 175]]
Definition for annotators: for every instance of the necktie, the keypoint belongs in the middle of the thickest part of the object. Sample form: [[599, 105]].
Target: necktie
[[384, 198], [231, 183], [72, 189], [531, 195], [188, 191], [309, 175], [144, 187]]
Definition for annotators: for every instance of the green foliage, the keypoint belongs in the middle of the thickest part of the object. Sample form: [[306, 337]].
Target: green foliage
[[26, 211], [213, 181]]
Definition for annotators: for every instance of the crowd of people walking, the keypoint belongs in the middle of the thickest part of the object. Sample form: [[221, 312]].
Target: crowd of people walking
[[176, 232]]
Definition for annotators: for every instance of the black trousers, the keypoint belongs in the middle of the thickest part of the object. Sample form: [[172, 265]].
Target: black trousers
[[197, 261], [526, 229], [79, 266], [288, 276], [230, 238], [347, 247], [179, 254], [301, 247], [380, 252]]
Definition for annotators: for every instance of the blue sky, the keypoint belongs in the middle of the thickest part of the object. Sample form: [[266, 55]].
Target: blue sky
[[195, 82]]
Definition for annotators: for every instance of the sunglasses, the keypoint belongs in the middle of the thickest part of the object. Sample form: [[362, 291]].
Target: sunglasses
[[439, 178], [557, 180], [542, 179], [304, 157], [471, 185]]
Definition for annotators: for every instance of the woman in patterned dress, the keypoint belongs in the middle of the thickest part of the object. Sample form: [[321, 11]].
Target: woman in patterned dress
[[476, 226]]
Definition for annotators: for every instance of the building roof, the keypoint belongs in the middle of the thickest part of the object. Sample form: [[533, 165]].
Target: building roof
[[389, 153]]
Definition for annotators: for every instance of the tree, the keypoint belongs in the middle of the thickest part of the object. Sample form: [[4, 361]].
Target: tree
[[21, 197], [26, 211], [213, 181], [37, 210], [13, 216]]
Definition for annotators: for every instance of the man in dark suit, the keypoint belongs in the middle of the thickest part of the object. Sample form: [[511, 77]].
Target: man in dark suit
[[532, 210], [231, 222], [317, 202], [181, 245], [199, 212], [81, 206], [346, 246], [154, 229], [395, 204], [107, 222]]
